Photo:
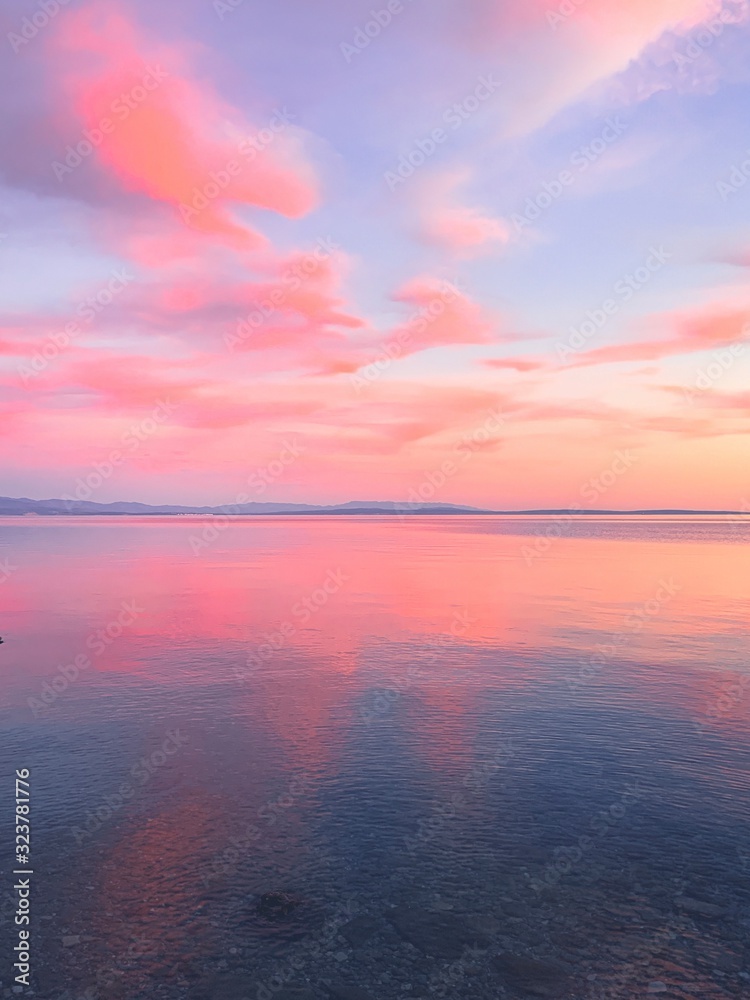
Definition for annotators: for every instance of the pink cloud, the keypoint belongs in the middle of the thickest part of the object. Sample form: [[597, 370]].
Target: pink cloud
[[295, 319], [515, 364], [443, 222], [441, 316], [710, 399], [95, 397], [172, 138], [712, 328], [465, 231], [450, 317], [576, 48]]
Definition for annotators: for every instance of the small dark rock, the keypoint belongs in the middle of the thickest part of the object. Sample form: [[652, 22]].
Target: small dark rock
[[529, 975]]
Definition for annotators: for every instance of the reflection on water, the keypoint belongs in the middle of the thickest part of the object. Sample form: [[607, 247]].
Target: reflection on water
[[481, 757]]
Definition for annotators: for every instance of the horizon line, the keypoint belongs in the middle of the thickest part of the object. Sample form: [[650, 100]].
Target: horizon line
[[76, 507]]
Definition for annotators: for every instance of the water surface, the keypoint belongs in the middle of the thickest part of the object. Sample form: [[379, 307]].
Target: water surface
[[528, 737]]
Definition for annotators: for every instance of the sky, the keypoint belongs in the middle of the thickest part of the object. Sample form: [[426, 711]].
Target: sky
[[490, 252]]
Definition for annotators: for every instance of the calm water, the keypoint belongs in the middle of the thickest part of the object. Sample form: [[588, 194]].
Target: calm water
[[458, 743]]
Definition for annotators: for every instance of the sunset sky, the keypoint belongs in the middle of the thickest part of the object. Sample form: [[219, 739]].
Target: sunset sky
[[477, 251]]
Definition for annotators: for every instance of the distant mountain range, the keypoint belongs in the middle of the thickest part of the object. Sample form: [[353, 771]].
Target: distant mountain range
[[23, 505]]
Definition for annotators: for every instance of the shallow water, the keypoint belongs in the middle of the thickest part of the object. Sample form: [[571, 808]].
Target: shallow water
[[450, 738]]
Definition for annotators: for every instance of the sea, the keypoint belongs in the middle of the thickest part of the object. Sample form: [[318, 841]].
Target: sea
[[376, 758]]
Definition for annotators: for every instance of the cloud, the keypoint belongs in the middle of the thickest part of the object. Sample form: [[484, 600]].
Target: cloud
[[559, 53], [465, 231], [171, 137], [461, 230], [716, 326], [448, 316], [515, 364], [241, 309], [442, 315]]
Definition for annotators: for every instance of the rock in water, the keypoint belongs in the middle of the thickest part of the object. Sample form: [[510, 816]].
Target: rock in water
[[529, 975], [273, 905]]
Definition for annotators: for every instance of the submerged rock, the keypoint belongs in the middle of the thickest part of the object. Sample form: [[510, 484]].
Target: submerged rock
[[441, 935], [532, 976]]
